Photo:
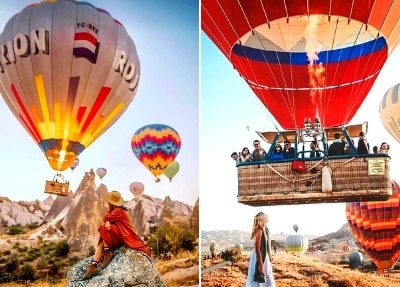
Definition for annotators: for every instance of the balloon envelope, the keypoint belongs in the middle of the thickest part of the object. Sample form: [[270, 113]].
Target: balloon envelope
[[136, 188], [156, 146], [101, 172], [375, 225], [305, 59], [172, 169], [295, 227], [74, 164], [296, 244], [68, 71], [389, 110]]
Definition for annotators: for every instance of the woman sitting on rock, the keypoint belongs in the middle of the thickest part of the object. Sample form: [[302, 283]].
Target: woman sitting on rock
[[116, 230]]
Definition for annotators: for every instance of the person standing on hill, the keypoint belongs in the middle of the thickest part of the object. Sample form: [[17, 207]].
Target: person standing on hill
[[259, 273]]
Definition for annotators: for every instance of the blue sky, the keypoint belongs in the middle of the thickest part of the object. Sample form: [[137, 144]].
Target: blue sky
[[167, 42], [228, 106]]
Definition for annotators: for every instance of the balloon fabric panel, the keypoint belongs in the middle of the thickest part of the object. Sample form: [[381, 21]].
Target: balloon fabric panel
[[72, 75]]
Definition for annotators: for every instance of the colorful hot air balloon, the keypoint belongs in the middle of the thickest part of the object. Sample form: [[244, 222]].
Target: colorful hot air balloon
[[74, 164], [68, 71], [296, 244], [171, 170], [136, 188], [389, 110], [375, 225], [305, 59], [156, 146], [101, 172]]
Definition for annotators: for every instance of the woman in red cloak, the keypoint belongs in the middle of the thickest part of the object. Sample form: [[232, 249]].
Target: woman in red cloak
[[116, 231]]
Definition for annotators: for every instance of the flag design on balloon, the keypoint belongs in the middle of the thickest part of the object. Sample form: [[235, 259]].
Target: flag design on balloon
[[68, 72], [376, 226], [156, 146]]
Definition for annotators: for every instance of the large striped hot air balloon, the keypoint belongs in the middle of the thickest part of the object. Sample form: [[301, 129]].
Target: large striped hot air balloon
[[156, 146], [305, 59], [68, 71], [389, 110], [376, 226]]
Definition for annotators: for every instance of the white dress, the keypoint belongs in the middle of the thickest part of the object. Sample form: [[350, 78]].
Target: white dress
[[269, 278]]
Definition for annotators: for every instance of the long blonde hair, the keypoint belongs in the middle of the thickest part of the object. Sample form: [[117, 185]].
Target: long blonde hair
[[259, 222]]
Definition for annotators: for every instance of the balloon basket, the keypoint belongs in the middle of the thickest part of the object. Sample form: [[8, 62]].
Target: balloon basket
[[57, 186]]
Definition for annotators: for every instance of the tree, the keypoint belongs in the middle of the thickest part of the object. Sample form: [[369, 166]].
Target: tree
[[27, 272], [12, 263], [62, 248], [166, 239]]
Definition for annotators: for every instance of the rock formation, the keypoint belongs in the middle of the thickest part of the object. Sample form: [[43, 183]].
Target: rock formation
[[128, 268]]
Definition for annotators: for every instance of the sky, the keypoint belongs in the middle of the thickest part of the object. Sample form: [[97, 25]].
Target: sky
[[228, 107], [166, 35]]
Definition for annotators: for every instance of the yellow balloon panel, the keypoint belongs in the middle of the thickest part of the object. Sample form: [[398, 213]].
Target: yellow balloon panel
[[68, 72]]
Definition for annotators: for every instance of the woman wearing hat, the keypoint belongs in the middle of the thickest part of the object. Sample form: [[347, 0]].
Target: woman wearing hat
[[116, 230]]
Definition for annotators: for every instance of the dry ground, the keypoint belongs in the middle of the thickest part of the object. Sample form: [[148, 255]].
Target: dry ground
[[290, 270]]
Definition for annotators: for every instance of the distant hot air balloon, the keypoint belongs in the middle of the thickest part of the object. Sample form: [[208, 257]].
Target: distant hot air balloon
[[68, 71], [389, 110], [305, 59], [295, 227], [356, 260], [156, 146], [74, 164], [101, 172], [136, 188], [171, 170], [375, 225], [296, 244]]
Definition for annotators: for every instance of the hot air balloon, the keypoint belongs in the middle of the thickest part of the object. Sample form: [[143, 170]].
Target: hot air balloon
[[68, 71], [389, 110], [356, 260], [295, 227], [171, 170], [156, 146], [136, 188], [74, 164], [296, 244], [376, 227], [311, 64], [101, 172], [305, 59]]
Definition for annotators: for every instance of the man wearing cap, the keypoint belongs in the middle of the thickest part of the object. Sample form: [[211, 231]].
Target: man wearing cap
[[116, 230]]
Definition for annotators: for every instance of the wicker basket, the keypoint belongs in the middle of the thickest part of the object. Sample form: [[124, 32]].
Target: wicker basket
[[57, 186], [353, 179]]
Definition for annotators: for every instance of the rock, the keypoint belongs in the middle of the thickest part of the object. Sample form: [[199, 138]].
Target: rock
[[127, 268]]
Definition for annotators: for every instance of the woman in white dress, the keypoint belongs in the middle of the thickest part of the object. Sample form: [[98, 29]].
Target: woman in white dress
[[260, 268]]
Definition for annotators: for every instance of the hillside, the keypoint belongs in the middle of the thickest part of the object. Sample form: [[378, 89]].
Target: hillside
[[306, 271]]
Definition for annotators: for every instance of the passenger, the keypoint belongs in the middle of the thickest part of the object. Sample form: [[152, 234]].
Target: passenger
[[363, 145], [315, 152], [347, 148], [235, 157], [258, 152], [375, 149], [288, 150], [337, 146], [384, 148], [277, 153], [245, 155]]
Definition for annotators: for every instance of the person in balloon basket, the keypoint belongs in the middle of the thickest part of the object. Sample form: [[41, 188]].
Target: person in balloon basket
[[116, 230], [363, 145], [277, 153], [245, 155], [337, 146], [258, 153], [259, 273], [288, 150]]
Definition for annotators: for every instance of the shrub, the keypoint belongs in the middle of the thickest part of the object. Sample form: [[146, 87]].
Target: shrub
[[62, 249], [166, 239], [27, 272], [189, 240], [15, 230], [12, 263]]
